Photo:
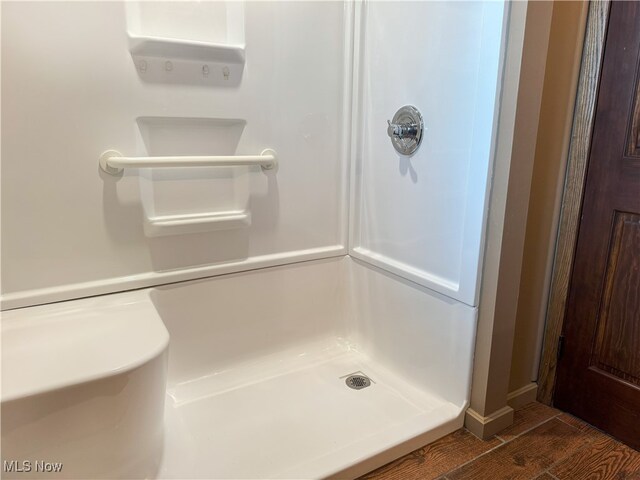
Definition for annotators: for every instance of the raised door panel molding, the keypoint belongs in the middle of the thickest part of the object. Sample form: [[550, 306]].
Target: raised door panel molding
[[618, 333]]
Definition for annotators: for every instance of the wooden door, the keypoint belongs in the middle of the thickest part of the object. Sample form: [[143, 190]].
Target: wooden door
[[599, 365]]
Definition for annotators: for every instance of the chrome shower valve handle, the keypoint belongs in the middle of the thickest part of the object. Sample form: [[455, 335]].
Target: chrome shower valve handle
[[402, 130], [406, 129]]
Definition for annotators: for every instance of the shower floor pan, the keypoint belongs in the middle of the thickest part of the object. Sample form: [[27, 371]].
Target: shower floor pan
[[186, 381], [292, 415]]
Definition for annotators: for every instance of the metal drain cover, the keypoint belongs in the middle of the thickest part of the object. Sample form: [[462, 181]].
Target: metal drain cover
[[357, 382]]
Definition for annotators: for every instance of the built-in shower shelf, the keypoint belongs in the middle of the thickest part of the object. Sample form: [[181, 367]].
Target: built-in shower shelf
[[174, 48], [165, 225]]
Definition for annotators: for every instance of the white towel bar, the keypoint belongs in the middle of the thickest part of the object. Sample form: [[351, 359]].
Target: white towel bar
[[113, 162]]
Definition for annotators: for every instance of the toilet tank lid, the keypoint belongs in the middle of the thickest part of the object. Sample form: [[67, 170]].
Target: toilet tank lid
[[54, 346]]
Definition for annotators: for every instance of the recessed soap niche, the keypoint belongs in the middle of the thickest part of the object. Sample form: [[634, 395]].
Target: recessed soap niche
[[178, 201], [200, 43]]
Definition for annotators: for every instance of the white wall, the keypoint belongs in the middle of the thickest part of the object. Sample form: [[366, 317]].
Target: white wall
[[224, 321], [424, 337], [218, 324], [71, 89], [80, 78], [422, 217]]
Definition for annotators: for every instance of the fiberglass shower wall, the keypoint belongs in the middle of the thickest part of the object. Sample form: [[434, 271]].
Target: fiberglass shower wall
[[168, 78], [315, 81], [375, 255], [421, 217]]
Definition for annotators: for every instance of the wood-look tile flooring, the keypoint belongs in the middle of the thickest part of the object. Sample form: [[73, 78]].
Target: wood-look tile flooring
[[543, 444]]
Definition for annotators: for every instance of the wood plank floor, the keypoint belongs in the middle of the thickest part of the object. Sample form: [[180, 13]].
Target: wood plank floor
[[542, 444]]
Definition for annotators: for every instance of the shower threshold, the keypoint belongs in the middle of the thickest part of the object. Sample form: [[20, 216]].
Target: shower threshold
[[291, 415]]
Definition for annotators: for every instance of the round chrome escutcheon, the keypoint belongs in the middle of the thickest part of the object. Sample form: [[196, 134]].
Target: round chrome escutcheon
[[406, 129]]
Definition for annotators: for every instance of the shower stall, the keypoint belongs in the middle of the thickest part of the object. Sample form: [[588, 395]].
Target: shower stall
[[241, 239]]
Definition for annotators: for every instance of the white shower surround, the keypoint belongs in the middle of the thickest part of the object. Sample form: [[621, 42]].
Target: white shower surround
[[255, 359], [254, 389]]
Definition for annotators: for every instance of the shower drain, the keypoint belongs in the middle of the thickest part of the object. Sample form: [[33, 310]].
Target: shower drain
[[357, 382]]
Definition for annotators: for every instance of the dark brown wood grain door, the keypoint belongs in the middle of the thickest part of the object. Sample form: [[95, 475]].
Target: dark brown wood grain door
[[599, 367]]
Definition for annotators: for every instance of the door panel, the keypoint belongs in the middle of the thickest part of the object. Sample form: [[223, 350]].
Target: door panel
[[618, 335], [599, 372]]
